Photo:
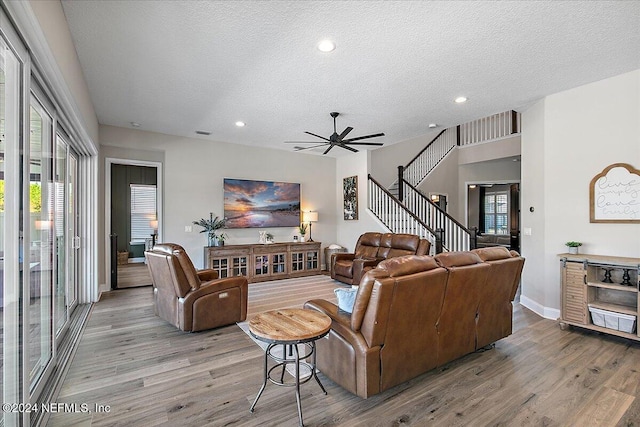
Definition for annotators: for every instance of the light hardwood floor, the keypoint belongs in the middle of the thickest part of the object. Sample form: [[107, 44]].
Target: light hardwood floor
[[149, 373], [133, 275]]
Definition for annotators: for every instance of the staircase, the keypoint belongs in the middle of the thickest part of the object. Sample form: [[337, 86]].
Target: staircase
[[404, 209], [396, 217]]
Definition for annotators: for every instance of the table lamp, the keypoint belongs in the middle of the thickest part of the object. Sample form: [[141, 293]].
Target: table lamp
[[310, 217]]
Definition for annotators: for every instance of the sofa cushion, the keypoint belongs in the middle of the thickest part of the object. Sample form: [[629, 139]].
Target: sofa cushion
[[346, 298], [408, 264], [393, 245], [492, 253], [367, 245], [457, 259]]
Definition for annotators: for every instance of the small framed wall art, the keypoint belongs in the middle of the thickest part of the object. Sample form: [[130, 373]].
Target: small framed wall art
[[614, 194], [350, 196]]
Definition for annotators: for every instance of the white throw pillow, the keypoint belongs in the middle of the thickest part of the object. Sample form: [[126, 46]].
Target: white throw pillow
[[346, 298]]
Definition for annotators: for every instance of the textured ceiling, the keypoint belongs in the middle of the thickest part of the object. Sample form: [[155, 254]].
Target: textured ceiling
[[180, 66]]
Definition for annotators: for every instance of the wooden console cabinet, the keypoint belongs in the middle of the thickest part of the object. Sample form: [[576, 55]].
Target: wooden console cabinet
[[602, 283], [258, 262]]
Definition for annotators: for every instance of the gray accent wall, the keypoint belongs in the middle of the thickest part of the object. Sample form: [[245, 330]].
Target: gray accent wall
[[122, 176]]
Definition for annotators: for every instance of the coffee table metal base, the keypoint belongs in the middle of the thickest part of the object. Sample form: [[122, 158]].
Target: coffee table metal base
[[290, 356]]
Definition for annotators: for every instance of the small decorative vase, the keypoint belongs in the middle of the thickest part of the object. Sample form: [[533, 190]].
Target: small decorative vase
[[213, 241], [302, 238], [573, 250]]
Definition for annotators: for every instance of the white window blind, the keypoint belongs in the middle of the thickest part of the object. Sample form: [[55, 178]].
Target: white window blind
[[495, 213], [143, 211]]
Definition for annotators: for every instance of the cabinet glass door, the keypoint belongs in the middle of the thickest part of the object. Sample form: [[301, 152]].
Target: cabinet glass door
[[221, 265], [261, 265], [297, 261], [240, 266], [312, 260], [279, 263]]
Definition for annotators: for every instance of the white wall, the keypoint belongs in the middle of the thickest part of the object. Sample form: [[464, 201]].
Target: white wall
[[385, 160], [193, 175], [349, 231], [56, 31], [443, 179], [567, 139]]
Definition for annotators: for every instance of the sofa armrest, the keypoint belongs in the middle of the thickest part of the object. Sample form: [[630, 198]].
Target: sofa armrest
[[207, 275], [331, 310], [361, 378], [214, 286], [342, 256], [340, 322], [186, 305], [362, 265]]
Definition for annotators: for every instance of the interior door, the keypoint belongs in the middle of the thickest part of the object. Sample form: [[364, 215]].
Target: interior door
[[514, 216]]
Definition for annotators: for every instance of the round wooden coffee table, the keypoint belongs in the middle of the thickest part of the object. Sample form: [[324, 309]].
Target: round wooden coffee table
[[289, 328]]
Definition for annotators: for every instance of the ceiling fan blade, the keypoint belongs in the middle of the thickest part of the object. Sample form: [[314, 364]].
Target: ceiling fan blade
[[317, 136], [344, 133], [346, 147], [327, 150], [308, 148], [364, 143], [303, 142], [364, 137]]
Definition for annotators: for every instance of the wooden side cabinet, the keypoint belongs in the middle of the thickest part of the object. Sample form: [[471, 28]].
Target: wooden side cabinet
[[259, 262], [601, 293]]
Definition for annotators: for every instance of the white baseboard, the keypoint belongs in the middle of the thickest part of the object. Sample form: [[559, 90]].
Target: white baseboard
[[539, 309]]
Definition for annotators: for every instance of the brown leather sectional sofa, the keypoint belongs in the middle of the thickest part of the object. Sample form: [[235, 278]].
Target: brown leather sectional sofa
[[414, 313], [371, 249]]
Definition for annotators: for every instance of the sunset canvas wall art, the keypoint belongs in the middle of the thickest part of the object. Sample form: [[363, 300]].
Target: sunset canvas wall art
[[255, 204]]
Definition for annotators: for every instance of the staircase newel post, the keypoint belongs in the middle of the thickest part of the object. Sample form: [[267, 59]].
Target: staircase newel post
[[474, 237], [439, 238], [400, 182]]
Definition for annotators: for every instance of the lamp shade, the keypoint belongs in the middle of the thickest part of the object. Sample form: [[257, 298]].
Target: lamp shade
[[154, 224], [310, 217]]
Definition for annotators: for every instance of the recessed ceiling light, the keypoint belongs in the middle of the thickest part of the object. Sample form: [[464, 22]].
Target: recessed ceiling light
[[240, 124], [432, 125], [135, 124], [326, 46], [461, 99]]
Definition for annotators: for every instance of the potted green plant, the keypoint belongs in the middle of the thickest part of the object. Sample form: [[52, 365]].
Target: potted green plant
[[303, 230], [573, 247], [211, 226]]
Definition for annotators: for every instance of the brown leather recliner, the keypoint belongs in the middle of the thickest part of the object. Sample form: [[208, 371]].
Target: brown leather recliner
[[193, 300], [372, 248]]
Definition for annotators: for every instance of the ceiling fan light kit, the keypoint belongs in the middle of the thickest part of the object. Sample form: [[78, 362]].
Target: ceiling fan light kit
[[336, 140]]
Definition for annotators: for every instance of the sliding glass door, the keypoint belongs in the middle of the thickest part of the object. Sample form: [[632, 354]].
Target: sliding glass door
[[39, 223], [73, 239], [11, 257], [41, 174], [65, 226], [60, 220]]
